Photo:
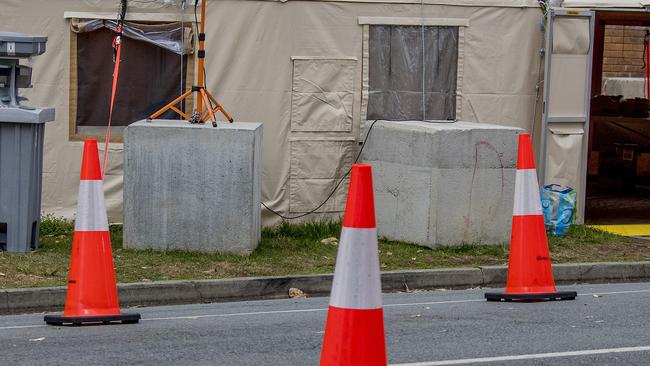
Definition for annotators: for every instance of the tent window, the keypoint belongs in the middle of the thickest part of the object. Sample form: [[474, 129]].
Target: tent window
[[150, 77], [412, 79]]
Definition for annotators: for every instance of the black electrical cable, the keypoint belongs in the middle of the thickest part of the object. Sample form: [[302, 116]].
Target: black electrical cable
[[196, 18], [119, 24], [363, 144], [122, 16]]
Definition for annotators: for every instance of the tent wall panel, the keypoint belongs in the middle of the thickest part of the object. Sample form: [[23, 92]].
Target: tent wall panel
[[316, 167], [323, 95], [250, 70]]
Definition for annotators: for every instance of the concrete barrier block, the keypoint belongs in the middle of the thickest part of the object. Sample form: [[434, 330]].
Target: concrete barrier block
[[192, 187], [443, 183], [478, 210]]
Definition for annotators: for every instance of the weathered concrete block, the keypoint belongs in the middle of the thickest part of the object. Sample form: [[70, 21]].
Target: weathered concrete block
[[443, 183], [192, 187]]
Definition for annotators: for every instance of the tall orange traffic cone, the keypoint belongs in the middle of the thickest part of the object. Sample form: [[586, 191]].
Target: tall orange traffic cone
[[530, 276], [92, 291], [354, 332]]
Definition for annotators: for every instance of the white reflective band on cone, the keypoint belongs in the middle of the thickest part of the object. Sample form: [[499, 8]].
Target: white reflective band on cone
[[91, 212], [527, 199], [357, 282]]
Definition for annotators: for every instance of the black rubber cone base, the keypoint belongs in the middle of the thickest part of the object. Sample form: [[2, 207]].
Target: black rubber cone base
[[552, 296], [94, 320]]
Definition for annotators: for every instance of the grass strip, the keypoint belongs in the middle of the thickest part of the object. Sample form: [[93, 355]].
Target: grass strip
[[290, 249]]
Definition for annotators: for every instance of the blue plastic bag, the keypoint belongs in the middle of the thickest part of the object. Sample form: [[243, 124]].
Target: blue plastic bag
[[559, 207]]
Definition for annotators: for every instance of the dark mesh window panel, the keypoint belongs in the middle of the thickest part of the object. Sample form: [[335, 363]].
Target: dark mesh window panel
[[149, 79], [396, 67]]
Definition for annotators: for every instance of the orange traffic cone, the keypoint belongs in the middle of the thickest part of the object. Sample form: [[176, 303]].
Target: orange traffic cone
[[354, 332], [530, 276], [92, 291]]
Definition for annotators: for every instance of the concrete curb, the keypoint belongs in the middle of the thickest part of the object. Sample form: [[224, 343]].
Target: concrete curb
[[14, 301]]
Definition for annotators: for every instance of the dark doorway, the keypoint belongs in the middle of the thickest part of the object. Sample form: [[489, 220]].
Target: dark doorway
[[618, 174]]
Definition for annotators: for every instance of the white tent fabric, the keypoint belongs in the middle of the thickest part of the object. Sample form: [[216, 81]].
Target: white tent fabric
[[255, 49], [605, 4]]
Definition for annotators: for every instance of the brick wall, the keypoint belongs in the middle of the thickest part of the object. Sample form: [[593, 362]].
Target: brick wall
[[623, 56]]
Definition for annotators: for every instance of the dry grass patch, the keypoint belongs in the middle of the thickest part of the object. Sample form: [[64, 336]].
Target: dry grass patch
[[290, 250]]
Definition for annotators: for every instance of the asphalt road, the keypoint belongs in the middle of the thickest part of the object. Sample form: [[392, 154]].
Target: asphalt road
[[605, 325]]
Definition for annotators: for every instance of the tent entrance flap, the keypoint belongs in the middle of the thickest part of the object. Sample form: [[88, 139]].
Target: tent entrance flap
[[565, 117]]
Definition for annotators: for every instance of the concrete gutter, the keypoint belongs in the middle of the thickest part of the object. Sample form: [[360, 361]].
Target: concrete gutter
[[14, 301]]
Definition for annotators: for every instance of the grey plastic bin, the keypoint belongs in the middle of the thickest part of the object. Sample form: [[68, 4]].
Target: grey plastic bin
[[21, 146], [21, 166]]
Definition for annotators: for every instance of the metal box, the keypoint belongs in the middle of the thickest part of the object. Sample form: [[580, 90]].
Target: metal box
[[21, 45], [21, 146]]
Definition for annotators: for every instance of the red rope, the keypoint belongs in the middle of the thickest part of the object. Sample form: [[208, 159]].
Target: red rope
[[117, 43]]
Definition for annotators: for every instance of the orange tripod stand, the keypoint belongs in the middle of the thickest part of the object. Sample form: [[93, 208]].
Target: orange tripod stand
[[204, 97]]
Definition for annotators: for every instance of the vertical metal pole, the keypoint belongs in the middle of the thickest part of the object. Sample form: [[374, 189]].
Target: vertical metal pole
[[424, 50], [548, 53], [199, 101], [582, 182]]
